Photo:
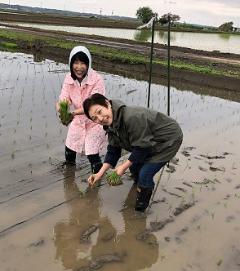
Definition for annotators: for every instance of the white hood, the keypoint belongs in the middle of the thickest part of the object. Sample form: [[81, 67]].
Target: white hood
[[83, 49]]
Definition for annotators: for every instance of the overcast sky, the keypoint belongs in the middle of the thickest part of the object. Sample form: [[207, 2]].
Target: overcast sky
[[207, 12]]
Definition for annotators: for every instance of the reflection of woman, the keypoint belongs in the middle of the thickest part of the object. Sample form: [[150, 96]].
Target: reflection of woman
[[85, 211], [79, 84], [151, 137]]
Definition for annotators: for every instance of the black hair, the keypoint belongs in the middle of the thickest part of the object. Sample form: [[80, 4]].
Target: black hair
[[81, 56], [94, 99]]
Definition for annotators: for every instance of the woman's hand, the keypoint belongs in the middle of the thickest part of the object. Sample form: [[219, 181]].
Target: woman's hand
[[120, 170], [93, 179], [78, 111], [96, 177], [58, 104], [57, 107]]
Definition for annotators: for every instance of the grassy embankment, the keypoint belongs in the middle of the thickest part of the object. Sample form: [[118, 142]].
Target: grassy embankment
[[16, 41]]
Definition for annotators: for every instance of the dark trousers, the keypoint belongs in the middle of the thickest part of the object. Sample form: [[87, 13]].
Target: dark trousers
[[94, 159], [143, 173]]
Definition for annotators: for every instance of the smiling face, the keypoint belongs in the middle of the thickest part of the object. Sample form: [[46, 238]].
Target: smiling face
[[101, 114], [79, 68]]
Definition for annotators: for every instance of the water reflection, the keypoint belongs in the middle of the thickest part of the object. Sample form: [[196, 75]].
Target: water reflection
[[164, 36], [225, 37], [106, 241], [142, 35], [38, 57]]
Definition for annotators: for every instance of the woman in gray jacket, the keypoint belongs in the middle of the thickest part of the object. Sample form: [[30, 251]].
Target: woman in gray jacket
[[151, 137]]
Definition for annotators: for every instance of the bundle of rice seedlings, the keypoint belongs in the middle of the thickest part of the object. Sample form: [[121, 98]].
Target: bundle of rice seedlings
[[65, 115], [113, 179]]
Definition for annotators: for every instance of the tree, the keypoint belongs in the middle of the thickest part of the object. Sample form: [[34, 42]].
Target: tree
[[173, 18], [226, 27], [144, 14]]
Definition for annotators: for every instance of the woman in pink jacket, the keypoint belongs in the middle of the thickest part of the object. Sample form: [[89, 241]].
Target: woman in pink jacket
[[83, 135]]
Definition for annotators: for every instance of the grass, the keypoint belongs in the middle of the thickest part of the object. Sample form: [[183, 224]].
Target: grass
[[113, 179], [65, 116], [9, 45]]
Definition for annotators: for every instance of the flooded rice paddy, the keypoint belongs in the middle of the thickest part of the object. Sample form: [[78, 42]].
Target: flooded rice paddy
[[225, 43], [50, 219]]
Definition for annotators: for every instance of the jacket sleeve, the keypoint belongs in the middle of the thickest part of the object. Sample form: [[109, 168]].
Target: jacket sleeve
[[138, 155], [65, 92], [112, 156], [99, 86]]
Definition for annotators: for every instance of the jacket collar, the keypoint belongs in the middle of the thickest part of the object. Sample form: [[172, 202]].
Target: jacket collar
[[87, 80]]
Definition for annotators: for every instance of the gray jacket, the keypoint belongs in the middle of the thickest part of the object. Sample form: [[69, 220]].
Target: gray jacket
[[137, 127]]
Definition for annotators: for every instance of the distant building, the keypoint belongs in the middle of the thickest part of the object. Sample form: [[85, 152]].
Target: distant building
[[236, 29]]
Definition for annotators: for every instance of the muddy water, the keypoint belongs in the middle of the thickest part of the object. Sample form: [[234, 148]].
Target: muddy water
[[50, 218]]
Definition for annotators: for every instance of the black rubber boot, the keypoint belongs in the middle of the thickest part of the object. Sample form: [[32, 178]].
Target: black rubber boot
[[143, 197], [70, 156], [96, 167], [95, 162]]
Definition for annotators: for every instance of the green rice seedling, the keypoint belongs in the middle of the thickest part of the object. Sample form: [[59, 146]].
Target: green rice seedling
[[113, 179], [65, 115]]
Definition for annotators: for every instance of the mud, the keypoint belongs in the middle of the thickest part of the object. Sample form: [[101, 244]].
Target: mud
[[46, 207], [100, 261], [183, 208], [85, 236]]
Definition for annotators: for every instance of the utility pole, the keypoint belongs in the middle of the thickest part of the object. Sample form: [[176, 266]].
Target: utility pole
[[169, 33], [150, 64]]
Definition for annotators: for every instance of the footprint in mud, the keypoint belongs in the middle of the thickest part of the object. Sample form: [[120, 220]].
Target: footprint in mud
[[230, 218], [202, 169], [212, 157], [186, 150], [185, 153], [108, 236], [101, 260], [37, 243], [171, 193], [182, 231], [157, 201], [167, 238], [205, 181], [158, 225], [183, 207], [181, 189], [154, 226], [217, 168], [170, 169], [187, 184], [85, 236]]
